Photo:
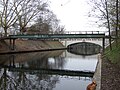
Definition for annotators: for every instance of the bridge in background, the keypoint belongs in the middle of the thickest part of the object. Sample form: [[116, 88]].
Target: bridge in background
[[67, 35], [67, 42], [83, 34]]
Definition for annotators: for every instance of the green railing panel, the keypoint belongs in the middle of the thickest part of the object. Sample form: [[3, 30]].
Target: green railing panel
[[57, 36]]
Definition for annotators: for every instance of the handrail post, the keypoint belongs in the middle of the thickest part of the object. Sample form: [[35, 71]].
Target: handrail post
[[92, 32], [98, 32]]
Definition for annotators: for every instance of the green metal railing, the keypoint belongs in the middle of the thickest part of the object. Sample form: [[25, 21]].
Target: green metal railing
[[57, 36]]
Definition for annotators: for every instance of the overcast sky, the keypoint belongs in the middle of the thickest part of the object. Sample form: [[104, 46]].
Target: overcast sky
[[74, 15]]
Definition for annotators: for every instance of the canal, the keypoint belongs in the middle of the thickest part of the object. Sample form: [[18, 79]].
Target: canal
[[35, 71]]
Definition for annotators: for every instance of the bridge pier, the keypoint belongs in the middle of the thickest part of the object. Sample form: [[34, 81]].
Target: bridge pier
[[12, 44], [103, 45]]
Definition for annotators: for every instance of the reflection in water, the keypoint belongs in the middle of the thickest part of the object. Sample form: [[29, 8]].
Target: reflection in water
[[28, 72], [22, 80], [84, 48]]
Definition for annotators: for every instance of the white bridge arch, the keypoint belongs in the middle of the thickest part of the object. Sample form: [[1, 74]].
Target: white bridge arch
[[67, 42]]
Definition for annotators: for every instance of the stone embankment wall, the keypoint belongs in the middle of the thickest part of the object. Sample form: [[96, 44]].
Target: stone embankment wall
[[27, 45]]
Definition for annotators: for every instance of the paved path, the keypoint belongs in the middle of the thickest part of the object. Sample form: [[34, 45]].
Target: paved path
[[97, 75]]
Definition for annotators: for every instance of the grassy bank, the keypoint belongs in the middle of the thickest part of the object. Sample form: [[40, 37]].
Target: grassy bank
[[110, 70], [114, 54]]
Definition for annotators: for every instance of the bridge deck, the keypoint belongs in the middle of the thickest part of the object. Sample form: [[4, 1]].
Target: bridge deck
[[57, 36]]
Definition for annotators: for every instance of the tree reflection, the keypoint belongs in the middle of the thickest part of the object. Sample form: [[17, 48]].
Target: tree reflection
[[24, 81], [6, 82], [21, 80]]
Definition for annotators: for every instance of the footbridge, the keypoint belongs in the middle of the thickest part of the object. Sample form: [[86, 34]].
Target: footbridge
[[66, 35]]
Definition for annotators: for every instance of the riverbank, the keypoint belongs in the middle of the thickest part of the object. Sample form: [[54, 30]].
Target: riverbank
[[110, 71], [30, 46], [110, 76]]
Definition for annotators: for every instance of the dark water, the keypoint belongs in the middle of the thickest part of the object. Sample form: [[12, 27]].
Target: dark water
[[31, 71]]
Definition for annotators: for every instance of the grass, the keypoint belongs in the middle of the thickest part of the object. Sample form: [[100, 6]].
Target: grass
[[114, 54]]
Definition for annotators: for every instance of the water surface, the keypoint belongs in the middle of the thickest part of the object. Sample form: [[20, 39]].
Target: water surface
[[25, 73]]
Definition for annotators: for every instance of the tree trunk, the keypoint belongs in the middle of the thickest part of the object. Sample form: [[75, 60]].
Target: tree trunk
[[5, 30], [117, 20], [108, 21]]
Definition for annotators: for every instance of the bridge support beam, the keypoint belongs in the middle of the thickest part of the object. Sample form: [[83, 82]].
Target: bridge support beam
[[103, 45]]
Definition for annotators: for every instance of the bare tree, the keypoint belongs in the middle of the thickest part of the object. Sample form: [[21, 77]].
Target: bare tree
[[117, 22], [100, 10], [47, 23], [7, 14], [110, 14], [29, 10], [60, 30], [108, 23], [19, 11]]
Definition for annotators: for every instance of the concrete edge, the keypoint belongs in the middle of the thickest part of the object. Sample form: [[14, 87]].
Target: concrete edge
[[97, 75]]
